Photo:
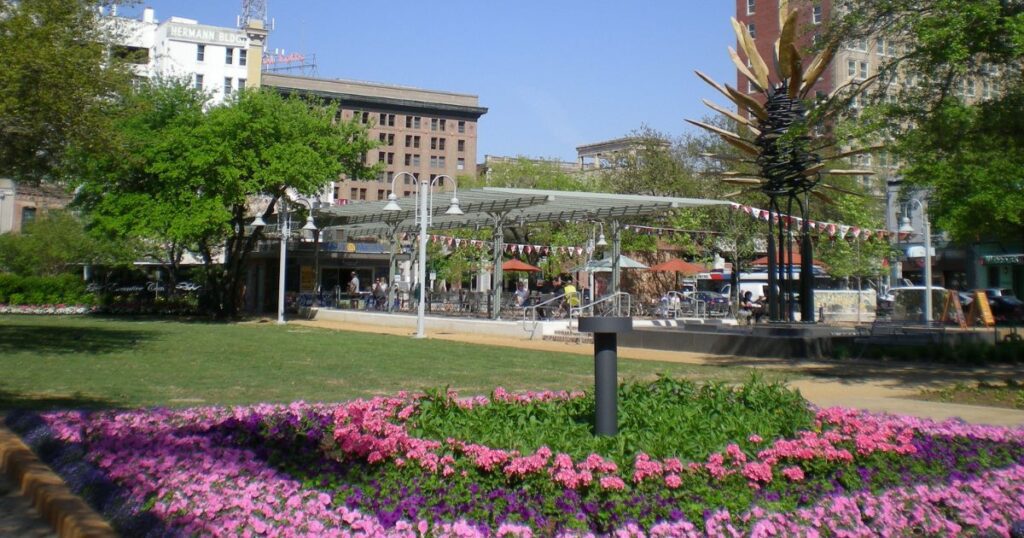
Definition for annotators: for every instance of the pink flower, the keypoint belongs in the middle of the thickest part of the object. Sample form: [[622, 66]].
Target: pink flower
[[613, 483], [795, 474]]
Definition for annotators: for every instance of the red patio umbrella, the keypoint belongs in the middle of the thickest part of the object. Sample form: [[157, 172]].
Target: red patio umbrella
[[517, 265], [675, 265]]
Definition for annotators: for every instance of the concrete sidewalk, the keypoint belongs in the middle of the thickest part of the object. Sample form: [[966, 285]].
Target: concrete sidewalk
[[872, 385]]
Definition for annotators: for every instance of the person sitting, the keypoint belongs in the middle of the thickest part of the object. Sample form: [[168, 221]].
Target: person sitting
[[380, 294], [570, 297], [522, 295], [746, 311]]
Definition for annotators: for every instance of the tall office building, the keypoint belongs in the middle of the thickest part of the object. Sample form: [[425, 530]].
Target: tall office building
[[427, 133], [216, 59]]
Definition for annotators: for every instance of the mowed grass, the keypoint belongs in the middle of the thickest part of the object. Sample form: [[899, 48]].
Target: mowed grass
[[73, 361]]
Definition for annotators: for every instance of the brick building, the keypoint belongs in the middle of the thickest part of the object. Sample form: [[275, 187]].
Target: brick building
[[426, 133]]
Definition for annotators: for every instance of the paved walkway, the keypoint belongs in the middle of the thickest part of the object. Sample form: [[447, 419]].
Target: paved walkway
[[17, 516], [872, 385]]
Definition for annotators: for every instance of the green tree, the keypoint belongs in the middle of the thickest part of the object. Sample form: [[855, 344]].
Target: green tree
[[56, 243], [206, 172], [949, 96], [56, 83]]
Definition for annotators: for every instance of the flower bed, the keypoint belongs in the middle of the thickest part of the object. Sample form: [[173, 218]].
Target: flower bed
[[414, 465], [47, 309]]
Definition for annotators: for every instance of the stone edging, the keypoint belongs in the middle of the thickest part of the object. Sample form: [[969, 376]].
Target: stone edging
[[69, 515]]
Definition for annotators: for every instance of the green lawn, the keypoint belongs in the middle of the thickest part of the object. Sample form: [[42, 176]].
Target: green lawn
[[72, 361]]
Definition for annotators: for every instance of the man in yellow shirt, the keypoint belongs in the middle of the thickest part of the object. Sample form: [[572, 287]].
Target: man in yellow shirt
[[570, 297]]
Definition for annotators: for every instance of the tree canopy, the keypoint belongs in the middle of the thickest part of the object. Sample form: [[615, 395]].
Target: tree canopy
[[56, 84], [949, 98], [182, 177]]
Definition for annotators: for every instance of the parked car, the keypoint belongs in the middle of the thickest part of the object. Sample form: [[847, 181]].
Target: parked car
[[715, 304], [907, 303], [1004, 304]]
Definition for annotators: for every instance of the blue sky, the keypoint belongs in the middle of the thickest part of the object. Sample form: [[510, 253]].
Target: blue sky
[[554, 75]]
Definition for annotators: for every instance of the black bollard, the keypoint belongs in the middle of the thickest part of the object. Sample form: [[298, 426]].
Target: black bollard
[[606, 416]]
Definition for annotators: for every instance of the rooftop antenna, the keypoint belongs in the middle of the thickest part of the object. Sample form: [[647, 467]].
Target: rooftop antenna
[[254, 10]]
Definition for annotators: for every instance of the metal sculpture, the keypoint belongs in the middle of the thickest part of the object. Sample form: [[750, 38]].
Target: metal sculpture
[[789, 172]]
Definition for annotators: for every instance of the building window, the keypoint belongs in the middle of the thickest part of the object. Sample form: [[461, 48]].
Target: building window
[[412, 122], [408, 141], [752, 29], [433, 161], [751, 88], [986, 89], [970, 87], [380, 194], [28, 216], [434, 123], [199, 81], [407, 180], [412, 159], [229, 55], [381, 156], [227, 85], [444, 125], [243, 56], [382, 138], [391, 157], [750, 7], [391, 177], [200, 53], [462, 126], [416, 141], [816, 14], [416, 175], [863, 70], [365, 118], [461, 145], [460, 163], [437, 143], [241, 84], [391, 139]]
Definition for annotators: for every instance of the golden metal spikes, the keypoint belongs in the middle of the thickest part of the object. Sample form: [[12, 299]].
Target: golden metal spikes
[[739, 119], [743, 101], [746, 42], [743, 69], [730, 137], [850, 172], [743, 180], [842, 190], [858, 151], [816, 68], [783, 48]]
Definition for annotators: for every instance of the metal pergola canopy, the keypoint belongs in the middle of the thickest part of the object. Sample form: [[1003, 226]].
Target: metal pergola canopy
[[496, 208], [491, 207]]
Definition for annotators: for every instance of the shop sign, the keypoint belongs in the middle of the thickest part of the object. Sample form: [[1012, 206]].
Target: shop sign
[[1004, 259]]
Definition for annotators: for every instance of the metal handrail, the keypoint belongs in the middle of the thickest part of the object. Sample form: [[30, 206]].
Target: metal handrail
[[698, 305], [576, 311]]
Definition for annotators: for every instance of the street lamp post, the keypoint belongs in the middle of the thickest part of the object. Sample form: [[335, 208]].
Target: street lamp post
[[908, 228], [596, 240], [424, 197], [284, 227]]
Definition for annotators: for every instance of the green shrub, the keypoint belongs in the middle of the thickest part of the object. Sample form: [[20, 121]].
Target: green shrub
[[40, 290]]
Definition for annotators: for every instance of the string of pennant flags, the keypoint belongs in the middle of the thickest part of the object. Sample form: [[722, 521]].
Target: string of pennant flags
[[833, 230], [512, 248]]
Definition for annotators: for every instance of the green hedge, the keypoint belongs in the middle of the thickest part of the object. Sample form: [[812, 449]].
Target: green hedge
[[43, 290]]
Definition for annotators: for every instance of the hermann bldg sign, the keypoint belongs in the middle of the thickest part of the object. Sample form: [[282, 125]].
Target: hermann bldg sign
[[198, 33]]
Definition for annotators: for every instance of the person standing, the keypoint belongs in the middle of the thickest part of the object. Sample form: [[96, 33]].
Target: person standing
[[353, 291]]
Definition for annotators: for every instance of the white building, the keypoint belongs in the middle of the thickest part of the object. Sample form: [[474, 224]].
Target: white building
[[213, 58]]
